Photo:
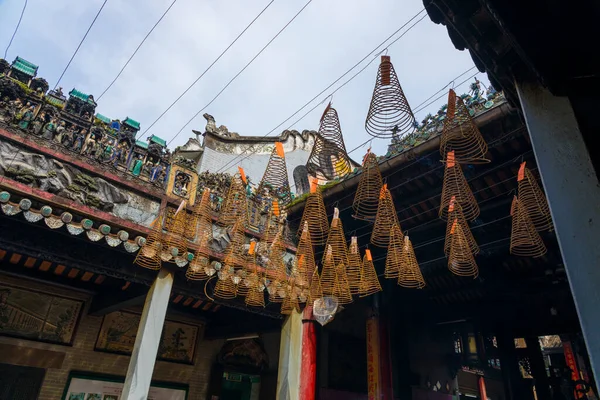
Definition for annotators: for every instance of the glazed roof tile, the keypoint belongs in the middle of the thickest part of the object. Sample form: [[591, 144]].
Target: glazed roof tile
[[132, 123]]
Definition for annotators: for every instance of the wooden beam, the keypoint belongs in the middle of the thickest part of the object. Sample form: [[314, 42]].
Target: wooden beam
[[111, 301]]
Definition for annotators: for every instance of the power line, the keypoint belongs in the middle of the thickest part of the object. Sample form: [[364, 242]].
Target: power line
[[16, 29], [444, 94], [242, 70], [332, 84], [209, 67], [80, 43], [136, 50]]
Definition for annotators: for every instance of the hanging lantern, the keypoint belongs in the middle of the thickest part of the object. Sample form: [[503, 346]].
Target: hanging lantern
[[149, 254], [456, 186], [328, 157], [385, 220], [315, 216], [394, 256], [525, 241], [455, 213], [354, 266], [336, 241], [461, 261], [532, 197], [461, 135], [366, 200], [235, 205], [275, 182], [410, 275], [369, 282], [389, 114]]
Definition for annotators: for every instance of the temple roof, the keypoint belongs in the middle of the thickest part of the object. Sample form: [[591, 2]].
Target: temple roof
[[141, 144], [81, 96], [102, 118], [132, 123], [158, 140], [25, 66]]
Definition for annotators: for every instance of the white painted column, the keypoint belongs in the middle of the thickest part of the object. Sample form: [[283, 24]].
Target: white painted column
[[290, 358], [574, 197], [147, 340]]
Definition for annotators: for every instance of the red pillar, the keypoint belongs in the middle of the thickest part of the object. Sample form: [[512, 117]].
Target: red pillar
[[482, 391], [308, 372]]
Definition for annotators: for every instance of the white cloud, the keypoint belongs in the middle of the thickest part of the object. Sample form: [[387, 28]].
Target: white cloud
[[323, 42]]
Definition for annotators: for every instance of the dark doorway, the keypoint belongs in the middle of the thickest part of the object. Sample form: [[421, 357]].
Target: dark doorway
[[20, 383]]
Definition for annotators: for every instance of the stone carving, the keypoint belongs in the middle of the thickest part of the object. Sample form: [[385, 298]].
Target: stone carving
[[50, 175], [222, 130]]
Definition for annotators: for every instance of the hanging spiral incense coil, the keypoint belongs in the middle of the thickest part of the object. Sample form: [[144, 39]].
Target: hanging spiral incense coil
[[525, 241], [315, 291], [385, 220], [149, 254], [455, 186], [410, 275], [461, 135], [272, 228], [305, 258], [290, 302], [328, 157], [175, 247], [234, 252], [532, 197], [354, 266], [366, 199], [455, 213], [315, 216], [225, 288], [341, 288], [369, 282], [460, 260], [328, 274], [389, 114], [197, 269], [275, 182], [276, 271], [394, 256], [235, 205], [255, 296], [202, 222], [336, 241]]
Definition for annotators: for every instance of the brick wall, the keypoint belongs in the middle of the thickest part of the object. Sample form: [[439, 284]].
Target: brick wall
[[82, 357]]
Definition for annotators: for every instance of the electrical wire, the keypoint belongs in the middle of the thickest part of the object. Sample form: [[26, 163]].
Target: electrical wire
[[208, 68], [233, 161], [16, 29], [242, 70], [136, 50], [80, 43]]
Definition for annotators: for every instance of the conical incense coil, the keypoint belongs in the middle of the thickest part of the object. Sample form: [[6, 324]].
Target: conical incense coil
[[410, 275], [328, 274], [274, 182], [243, 275], [315, 291], [305, 258], [369, 282], [225, 288], [456, 186], [366, 199], [315, 216], [235, 205], [455, 213], [272, 228], [461, 135], [461, 261], [385, 220], [328, 158], [354, 266], [393, 259], [197, 268], [534, 200], [389, 114], [525, 241], [234, 253], [201, 222], [290, 302], [336, 241], [255, 296], [149, 254], [175, 247], [276, 271], [341, 289]]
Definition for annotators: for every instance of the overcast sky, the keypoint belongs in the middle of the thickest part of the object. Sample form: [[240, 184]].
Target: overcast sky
[[320, 45]]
